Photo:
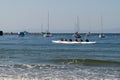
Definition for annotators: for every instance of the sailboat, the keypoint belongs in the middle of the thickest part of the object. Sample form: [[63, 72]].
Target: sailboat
[[101, 35], [21, 34], [47, 33]]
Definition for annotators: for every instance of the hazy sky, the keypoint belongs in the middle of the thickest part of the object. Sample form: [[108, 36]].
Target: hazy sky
[[28, 15]]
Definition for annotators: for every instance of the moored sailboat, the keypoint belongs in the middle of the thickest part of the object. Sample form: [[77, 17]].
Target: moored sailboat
[[47, 33], [101, 35], [21, 34]]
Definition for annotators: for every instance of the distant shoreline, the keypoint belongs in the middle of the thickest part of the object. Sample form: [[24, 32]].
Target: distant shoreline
[[16, 33], [40, 33]]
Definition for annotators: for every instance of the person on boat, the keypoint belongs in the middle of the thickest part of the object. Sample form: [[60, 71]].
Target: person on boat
[[61, 39], [81, 40], [87, 35], [87, 40], [70, 39], [77, 35], [65, 39], [76, 39]]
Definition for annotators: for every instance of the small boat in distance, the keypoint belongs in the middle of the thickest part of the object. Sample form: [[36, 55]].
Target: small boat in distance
[[73, 42], [101, 35], [47, 34], [21, 34], [77, 36]]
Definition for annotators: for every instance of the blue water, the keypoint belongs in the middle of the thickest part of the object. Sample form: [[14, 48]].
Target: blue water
[[34, 57]]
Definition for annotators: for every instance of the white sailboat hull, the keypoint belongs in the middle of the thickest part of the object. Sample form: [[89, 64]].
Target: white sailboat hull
[[73, 42], [101, 36], [47, 35]]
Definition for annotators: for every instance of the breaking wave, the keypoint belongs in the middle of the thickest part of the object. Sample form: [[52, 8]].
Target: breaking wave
[[88, 62]]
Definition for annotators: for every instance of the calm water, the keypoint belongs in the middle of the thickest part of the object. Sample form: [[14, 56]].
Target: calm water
[[34, 57]]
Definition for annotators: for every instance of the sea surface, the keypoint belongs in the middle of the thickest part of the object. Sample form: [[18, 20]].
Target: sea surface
[[34, 57]]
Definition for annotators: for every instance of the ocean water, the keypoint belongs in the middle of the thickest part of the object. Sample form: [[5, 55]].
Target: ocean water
[[34, 57]]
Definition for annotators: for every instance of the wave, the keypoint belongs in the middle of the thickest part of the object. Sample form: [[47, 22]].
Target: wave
[[88, 62], [33, 66], [37, 66]]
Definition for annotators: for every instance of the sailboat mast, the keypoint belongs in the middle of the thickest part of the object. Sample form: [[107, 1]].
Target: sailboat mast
[[102, 34], [41, 27], [48, 21], [77, 25], [101, 25]]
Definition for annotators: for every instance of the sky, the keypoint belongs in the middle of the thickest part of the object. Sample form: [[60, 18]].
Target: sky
[[32, 15]]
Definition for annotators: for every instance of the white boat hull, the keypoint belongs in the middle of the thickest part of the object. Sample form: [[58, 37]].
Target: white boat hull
[[101, 36], [47, 35], [73, 42]]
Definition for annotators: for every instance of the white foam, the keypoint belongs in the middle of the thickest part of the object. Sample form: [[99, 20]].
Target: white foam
[[50, 72], [50, 78]]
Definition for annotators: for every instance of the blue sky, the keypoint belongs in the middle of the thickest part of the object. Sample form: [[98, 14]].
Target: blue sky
[[28, 15]]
